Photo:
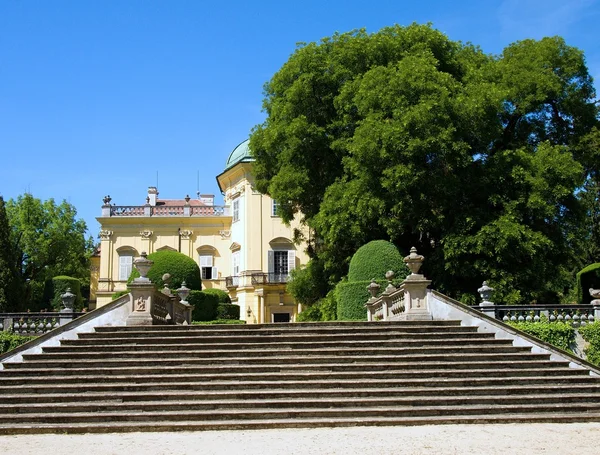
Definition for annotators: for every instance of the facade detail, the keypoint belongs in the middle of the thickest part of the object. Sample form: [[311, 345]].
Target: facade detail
[[241, 247]]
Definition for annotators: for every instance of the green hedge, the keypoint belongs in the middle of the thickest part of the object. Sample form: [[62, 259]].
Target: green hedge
[[351, 299], [228, 311], [587, 278], [559, 334], [9, 341], [311, 314], [59, 285], [205, 305], [219, 321], [374, 259], [591, 334], [221, 295], [118, 294], [179, 266]]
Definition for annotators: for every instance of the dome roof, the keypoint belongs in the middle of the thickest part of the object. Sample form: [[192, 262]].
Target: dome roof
[[240, 154]]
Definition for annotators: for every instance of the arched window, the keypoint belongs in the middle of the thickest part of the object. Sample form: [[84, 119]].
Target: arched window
[[281, 259], [206, 260], [126, 255]]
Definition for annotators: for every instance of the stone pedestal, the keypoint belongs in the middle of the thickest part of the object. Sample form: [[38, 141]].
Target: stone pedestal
[[142, 299], [415, 299]]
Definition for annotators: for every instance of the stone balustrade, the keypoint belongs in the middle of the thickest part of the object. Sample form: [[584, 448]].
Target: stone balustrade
[[34, 324], [406, 302], [164, 210]]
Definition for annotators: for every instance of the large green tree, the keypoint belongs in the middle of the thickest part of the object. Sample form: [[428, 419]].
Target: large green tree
[[48, 241], [10, 291], [404, 134]]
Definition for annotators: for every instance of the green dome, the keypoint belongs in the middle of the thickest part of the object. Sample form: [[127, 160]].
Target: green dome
[[240, 154]]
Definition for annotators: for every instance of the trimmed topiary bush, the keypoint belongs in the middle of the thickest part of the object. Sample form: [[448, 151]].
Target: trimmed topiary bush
[[178, 265], [374, 259], [59, 285], [351, 299], [591, 334], [221, 295], [205, 305], [228, 311], [588, 277]]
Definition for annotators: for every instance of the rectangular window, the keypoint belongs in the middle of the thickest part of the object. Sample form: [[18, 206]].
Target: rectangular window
[[281, 263], [274, 208], [236, 210], [125, 265], [207, 269], [235, 263]]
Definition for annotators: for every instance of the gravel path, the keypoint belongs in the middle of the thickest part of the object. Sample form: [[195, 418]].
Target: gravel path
[[522, 439]]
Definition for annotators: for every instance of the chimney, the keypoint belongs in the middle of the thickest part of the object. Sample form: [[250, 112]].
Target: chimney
[[152, 195], [207, 199]]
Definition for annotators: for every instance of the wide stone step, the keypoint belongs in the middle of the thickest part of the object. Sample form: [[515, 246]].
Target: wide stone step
[[195, 343], [288, 327], [373, 330], [200, 337], [364, 375], [415, 393], [36, 407], [23, 369], [209, 425], [299, 413], [132, 359], [71, 387], [159, 352]]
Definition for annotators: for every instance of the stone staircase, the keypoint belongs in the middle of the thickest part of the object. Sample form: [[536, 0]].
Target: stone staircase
[[166, 378]]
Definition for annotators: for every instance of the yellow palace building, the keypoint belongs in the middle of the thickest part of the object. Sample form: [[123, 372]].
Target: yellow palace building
[[241, 247]]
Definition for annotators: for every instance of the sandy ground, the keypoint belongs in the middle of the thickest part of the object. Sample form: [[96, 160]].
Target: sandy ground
[[563, 439]]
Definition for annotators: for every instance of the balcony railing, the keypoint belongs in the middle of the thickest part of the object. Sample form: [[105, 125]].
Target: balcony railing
[[269, 278], [165, 210], [232, 281]]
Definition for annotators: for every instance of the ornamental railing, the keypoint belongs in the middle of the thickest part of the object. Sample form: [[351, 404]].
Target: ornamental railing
[[164, 210], [232, 281], [258, 279], [577, 315], [34, 324]]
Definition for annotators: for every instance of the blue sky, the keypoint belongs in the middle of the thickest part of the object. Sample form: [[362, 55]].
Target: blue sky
[[97, 96]]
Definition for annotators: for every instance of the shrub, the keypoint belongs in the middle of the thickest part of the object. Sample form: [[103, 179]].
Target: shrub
[[323, 310], [228, 311], [559, 334], [310, 314], [587, 278], [221, 295], [374, 259], [9, 341], [59, 285], [179, 266], [591, 334], [308, 285], [205, 305], [219, 321], [351, 298]]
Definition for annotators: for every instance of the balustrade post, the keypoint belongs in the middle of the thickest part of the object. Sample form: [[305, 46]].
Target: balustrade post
[[486, 306], [373, 289], [415, 289], [7, 324], [142, 291], [595, 293]]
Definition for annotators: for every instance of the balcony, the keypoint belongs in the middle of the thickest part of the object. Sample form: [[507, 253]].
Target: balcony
[[260, 279]]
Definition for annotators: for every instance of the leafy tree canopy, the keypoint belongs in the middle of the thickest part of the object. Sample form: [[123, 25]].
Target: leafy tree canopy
[[47, 241], [404, 134]]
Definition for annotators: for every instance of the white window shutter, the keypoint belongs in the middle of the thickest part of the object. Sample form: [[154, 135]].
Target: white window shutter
[[271, 261], [215, 274], [291, 260], [125, 263]]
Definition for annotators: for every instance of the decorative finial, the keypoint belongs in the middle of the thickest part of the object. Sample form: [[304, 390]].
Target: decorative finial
[[107, 200], [485, 292], [187, 198], [414, 261]]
